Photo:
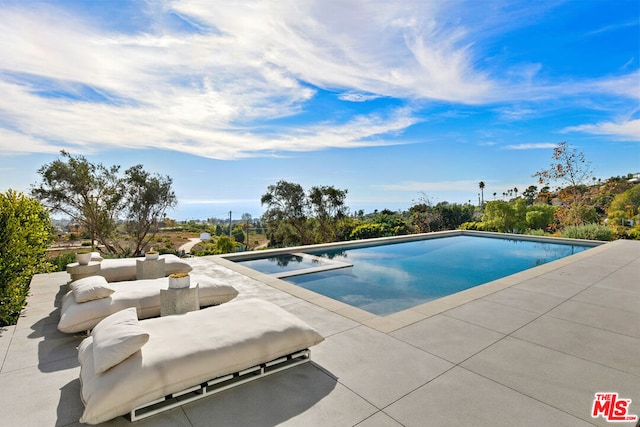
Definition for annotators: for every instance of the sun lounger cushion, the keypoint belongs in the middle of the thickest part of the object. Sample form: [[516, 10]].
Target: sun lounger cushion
[[116, 338], [144, 295], [90, 288], [190, 349], [117, 270]]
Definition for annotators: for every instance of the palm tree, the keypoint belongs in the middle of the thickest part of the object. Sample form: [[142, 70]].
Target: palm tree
[[515, 190], [481, 185]]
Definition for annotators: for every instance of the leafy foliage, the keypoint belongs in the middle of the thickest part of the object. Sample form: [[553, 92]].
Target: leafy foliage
[[147, 197], [86, 192], [588, 231], [25, 234], [296, 218], [626, 206], [95, 196]]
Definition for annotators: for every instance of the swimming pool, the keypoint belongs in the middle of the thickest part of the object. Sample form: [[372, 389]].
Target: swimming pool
[[388, 278]]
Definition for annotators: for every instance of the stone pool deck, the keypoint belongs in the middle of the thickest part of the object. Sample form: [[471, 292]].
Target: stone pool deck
[[531, 350]]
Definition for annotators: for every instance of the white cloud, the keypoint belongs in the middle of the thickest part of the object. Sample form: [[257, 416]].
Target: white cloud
[[357, 97], [212, 92], [532, 146], [627, 130]]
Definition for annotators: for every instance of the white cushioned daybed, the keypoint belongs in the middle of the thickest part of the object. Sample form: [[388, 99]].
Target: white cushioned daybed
[[92, 299], [170, 354], [119, 269]]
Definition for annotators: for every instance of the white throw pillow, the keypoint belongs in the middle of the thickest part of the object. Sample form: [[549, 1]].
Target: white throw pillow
[[95, 256], [117, 337], [91, 288]]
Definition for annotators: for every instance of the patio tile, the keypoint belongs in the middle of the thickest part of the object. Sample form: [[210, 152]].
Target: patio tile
[[460, 397], [378, 367], [498, 317], [586, 272], [301, 396], [624, 279], [39, 347], [52, 400], [525, 300], [325, 321], [610, 319], [451, 339], [379, 419], [620, 299], [597, 345], [563, 381], [6, 334], [552, 286]]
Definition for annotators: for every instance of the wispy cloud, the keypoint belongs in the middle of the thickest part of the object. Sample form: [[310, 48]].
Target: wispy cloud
[[532, 146], [626, 131], [357, 97], [614, 27], [215, 88]]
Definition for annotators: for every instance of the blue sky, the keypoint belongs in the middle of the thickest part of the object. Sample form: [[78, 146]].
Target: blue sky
[[389, 100]]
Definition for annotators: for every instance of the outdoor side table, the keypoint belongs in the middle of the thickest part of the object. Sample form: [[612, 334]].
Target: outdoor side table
[[179, 301], [80, 271], [149, 268]]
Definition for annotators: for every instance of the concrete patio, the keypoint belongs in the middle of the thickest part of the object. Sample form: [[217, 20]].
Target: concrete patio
[[532, 349]]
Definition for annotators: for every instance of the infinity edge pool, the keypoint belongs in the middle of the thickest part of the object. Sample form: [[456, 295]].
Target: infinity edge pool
[[414, 314]]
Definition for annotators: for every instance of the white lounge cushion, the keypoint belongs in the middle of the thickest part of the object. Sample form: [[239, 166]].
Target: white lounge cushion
[[116, 338], [190, 349], [120, 269], [144, 295], [90, 288]]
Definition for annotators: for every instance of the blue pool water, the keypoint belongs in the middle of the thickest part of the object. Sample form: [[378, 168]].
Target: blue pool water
[[280, 263], [388, 278]]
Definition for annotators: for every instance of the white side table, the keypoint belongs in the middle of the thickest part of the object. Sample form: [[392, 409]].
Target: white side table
[[80, 271], [179, 301], [149, 268]]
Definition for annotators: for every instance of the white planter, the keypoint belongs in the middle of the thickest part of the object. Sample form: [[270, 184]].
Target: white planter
[[83, 259], [152, 256], [179, 282]]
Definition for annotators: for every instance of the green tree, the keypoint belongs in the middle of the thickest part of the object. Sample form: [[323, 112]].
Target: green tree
[[499, 216], [292, 216], [530, 194], [147, 198], [224, 245], [238, 234], [540, 216], [328, 206], [89, 194], [25, 234], [286, 214], [625, 206], [97, 197]]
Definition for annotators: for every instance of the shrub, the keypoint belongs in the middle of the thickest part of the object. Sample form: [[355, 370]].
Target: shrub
[[25, 234], [367, 231], [60, 262], [588, 231]]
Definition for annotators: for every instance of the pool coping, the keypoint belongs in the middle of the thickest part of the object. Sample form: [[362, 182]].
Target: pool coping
[[400, 319]]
